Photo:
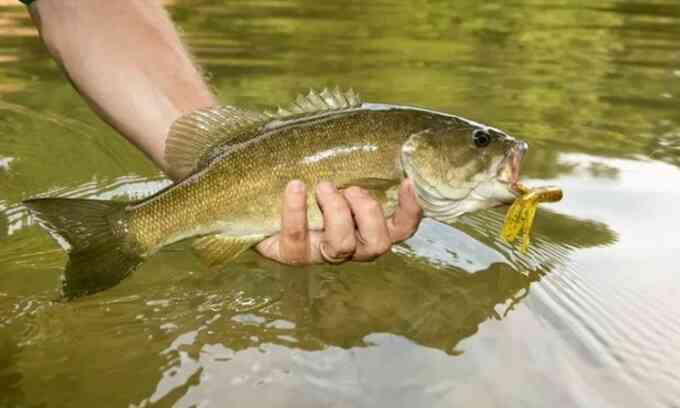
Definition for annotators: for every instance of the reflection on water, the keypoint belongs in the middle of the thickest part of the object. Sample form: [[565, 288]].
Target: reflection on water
[[453, 316], [10, 377], [666, 147], [3, 226], [431, 293]]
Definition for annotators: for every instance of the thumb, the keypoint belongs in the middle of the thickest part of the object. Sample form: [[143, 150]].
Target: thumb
[[408, 214]]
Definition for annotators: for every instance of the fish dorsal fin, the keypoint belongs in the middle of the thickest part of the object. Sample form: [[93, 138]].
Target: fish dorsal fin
[[317, 102], [193, 136]]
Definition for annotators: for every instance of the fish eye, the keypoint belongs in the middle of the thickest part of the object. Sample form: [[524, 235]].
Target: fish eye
[[481, 138]]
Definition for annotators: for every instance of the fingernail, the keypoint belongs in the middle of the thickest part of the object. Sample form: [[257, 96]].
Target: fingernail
[[296, 186], [408, 186], [326, 187]]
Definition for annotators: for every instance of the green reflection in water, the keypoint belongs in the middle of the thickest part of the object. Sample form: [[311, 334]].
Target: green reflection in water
[[592, 88]]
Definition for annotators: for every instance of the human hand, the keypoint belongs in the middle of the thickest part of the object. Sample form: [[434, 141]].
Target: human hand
[[355, 227]]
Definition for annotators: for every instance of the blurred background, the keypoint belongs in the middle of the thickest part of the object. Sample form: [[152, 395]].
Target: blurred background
[[454, 316]]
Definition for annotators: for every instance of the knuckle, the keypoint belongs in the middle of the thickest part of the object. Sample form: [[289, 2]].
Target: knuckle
[[361, 239], [378, 248], [372, 206], [338, 251], [295, 204], [293, 252], [295, 234], [408, 228], [333, 203], [337, 206], [346, 247], [413, 217]]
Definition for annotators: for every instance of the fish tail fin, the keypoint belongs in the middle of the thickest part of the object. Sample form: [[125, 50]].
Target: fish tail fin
[[100, 252]]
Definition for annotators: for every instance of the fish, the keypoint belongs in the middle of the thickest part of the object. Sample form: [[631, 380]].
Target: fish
[[235, 163]]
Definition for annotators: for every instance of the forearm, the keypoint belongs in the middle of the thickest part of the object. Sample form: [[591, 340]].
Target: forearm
[[126, 60]]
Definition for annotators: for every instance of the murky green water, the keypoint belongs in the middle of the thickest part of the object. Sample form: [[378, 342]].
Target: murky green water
[[453, 317]]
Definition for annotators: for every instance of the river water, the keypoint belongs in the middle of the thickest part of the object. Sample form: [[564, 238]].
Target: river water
[[453, 317]]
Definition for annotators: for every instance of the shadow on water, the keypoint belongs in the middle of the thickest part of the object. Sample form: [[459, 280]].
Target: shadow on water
[[11, 394], [425, 298], [413, 295], [435, 290], [3, 226], [440, 306]]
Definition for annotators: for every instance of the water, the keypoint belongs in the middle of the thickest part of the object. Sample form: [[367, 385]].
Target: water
[[452, 317]]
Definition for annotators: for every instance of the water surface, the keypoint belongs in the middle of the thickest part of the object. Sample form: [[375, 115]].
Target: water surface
[[453, 316]]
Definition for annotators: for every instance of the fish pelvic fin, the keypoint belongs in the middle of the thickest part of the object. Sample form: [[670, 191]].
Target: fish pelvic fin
[[219, 249], [95, 235]]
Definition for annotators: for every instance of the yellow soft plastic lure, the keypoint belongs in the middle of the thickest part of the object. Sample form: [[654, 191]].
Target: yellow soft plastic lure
[[520, 216]]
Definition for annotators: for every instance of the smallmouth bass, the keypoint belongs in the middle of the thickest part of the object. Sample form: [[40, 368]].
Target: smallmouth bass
[[236, 163]]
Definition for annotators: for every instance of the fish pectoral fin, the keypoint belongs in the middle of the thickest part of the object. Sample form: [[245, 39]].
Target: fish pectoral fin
[[371, 183], [219, 249], [386, 190], [193, 138]]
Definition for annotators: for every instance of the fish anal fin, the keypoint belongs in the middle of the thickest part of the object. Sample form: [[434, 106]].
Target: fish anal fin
[[219, 249]]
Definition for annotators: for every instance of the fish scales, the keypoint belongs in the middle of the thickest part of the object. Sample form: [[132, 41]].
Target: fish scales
[[236, 163], [245, 185]]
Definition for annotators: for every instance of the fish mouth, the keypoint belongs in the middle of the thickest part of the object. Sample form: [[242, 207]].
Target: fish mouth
[[509, 173]]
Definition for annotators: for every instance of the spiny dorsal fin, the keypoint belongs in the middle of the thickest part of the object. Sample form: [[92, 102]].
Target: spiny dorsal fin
[[193, 136], [317, 102]]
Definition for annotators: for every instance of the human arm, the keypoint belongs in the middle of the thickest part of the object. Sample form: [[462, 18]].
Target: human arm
[[125, 58]]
